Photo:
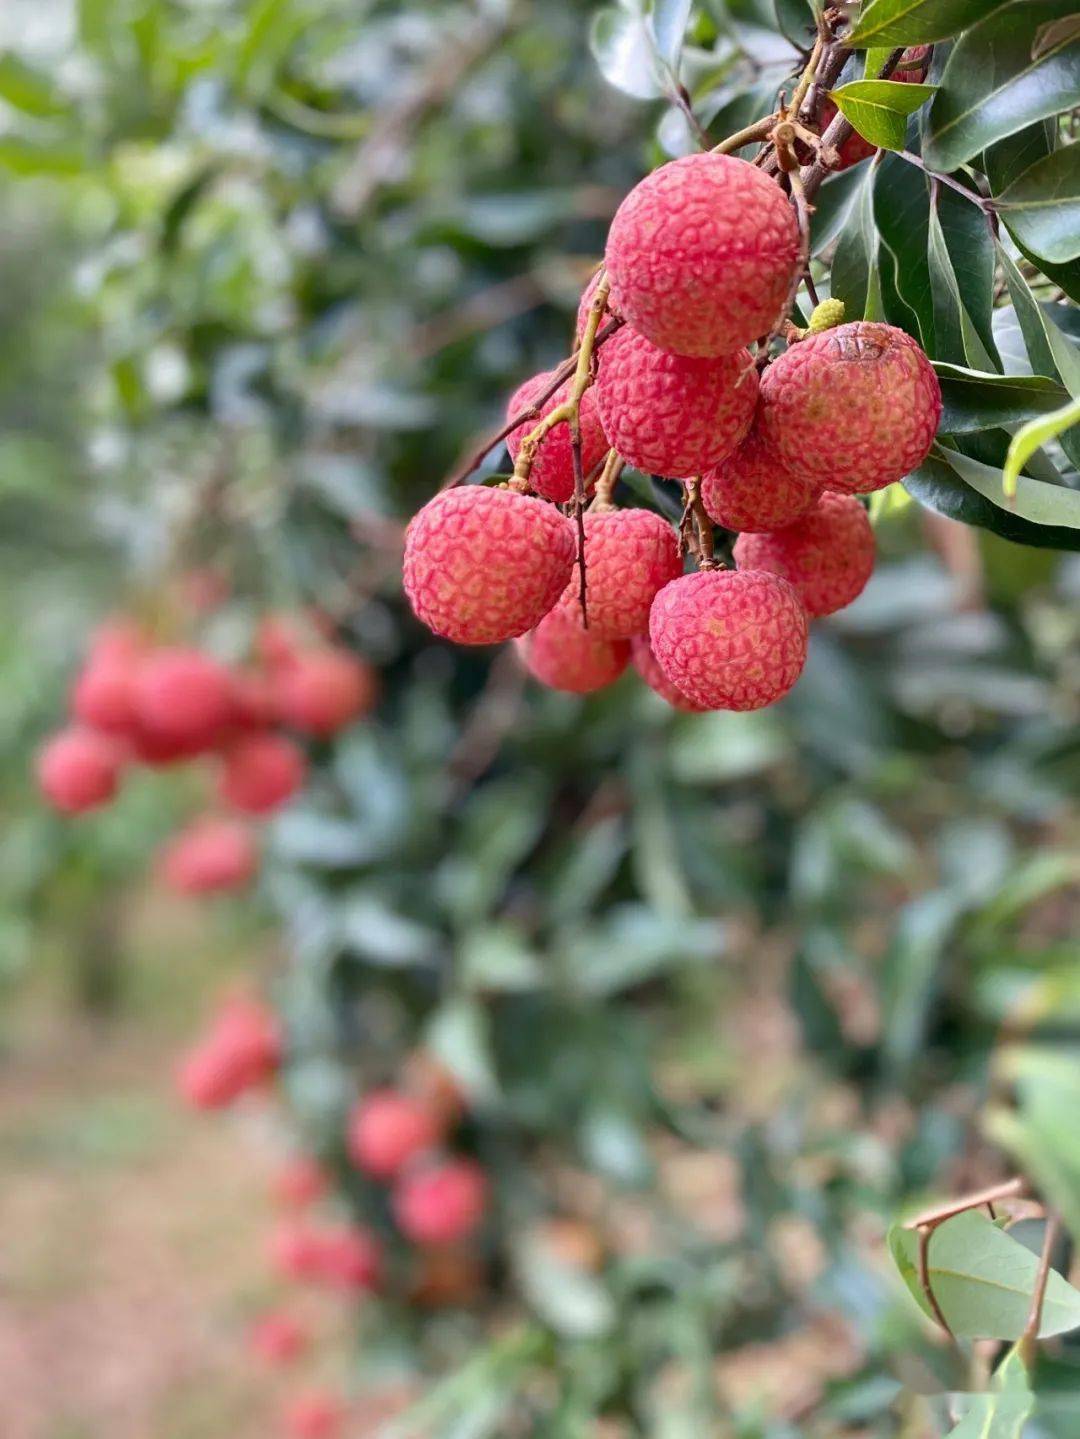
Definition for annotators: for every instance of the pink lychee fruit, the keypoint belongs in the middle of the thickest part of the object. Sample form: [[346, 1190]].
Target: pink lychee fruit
[[484, 565], [442, 1203], [209, 855], [79, 769], [242, 1049], [313, 1415], [321, 691], [183, 695], [299, 1182], [670, 415], [827, 555], [729, 641], [254, 699], [629, 556], [103, 696], [701, 254], [348, 1257], [117, 638], [648, 667], [853, 408], [277, 1338], [562, 654], [751, 490], [552, 473], [261, 772], [387, 1129]]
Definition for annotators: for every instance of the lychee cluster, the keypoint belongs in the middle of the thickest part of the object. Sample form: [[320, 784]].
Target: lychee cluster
[[702, 260], [139, 703]]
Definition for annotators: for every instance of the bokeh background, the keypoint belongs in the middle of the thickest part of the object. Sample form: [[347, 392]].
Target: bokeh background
[[726, 991]]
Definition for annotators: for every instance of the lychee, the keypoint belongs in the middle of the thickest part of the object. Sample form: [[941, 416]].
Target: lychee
[[729, 641], [277, 1338], [183, 695], [117, 638], [387, 1129], [349, 1257], [827, 555], [701, 254], [321, 691], [552, 473], [441, 1204], [484, 565], [242, 1049], [629, 555], [669, 415], [103, 695], [261, 772], [564, 655], [79, 769], [210, 1076], [751, 490], [853, 408], [299, 1182], [254, 699], [210, 854], [853, 147], [314, 1415], [295, 1249], [648, 667]]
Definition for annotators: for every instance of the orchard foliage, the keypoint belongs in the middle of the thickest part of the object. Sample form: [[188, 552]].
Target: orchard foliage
[[670, 1015]]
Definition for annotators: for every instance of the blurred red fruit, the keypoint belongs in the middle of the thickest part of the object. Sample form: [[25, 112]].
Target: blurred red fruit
[[78, 769], [261, 772], [183, 695], [103, 695], [441, 1204], [313, 1416], [386, 1130], [323, 690], [254, 700], [295, 1250], [299, 1182], [210, 854], [241, 1049], [277, 1338], [349, 1258], [116, 639]]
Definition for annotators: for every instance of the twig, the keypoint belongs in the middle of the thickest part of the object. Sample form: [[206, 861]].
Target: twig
[[759, 130], [1038, 1295], [1010, 1189], [985, 205], [702, 524], [838, 131], [681, 97], [612, 468], [925, 1233], [802, 268]]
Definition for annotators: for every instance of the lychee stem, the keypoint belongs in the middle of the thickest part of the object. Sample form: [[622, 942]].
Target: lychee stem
[[702, 524], [605, 485]]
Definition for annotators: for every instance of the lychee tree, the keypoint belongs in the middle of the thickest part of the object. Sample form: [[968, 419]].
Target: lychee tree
[[526, 1029]]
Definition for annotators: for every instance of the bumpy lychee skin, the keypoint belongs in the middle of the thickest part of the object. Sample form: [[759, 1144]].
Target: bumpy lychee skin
[[261, 772], [700, 255], [827, 556], [669, 415], [442, 1203], [184, 695], [209, 855], [752, 490], [485, 565], [79, 769], [386, 1130], [563, 655], [321, 691], [729, 641], [853, 408], [629, 556], [552, 473], [648, 667]]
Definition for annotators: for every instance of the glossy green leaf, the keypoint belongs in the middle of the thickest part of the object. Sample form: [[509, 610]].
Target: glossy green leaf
[[29, 90], [976, 400], [967, 243], [916, 22], [983, 1280], [669, 19], [1001, 1413], [1042, 206], [623, 46], [901, 214], [937, 485], [1035, 500], [855, 256], [992, 87], [1033, 435], [878, 109]]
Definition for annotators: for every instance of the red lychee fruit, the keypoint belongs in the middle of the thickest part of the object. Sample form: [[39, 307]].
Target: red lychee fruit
[[295, 1250], [751, 490], [729, 641], [914, 63], [322, 691], [242, 1049], [118, 638], [700, 255], [210, 1077], [314, 1415], [103, 695], [629, 555], [299, 1182], [279, 639], [827, 556], [669, 415], [853, 408], [441, 1204], [261, 772], [552, 473], [348, 1257], [563, 655], [648, 667], [484, 565], [183, 695], [210, 854], [254, 699], [386, 1130], [853, 148], [79, 769], [277, 1338]]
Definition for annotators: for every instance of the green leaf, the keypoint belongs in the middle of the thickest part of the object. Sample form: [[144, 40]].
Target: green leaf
[[983, 1280], [28, 157], [992, 87], [938, 486], [975, 400], [1042, 206], [855, 257], [1035, 500], [1003, 1412], [669, 21], [878, 109], [1033, 435], [916, 22], [29, 90], [901, 213], [623, 46], [961, 242]]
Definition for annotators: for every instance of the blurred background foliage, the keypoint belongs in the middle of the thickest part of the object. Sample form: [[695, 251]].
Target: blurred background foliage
[[726, 992]]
